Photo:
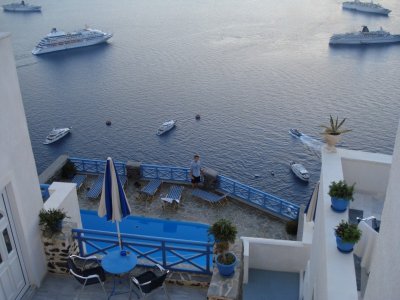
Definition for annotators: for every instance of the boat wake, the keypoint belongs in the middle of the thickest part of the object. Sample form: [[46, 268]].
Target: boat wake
[[313, 145]]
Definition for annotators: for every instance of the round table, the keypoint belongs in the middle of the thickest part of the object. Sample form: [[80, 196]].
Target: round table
[[115, 263]]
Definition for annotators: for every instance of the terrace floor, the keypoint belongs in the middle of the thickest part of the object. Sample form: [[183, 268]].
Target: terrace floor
[[250, 221], [64, 287]]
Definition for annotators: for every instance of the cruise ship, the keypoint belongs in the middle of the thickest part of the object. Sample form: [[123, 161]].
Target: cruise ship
[[21, 7], [364, 37], [368, 7], [59, 40]]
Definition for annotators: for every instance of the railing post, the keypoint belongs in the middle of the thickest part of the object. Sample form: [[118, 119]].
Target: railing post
[[208, 259], [80, 243], [164, 254]]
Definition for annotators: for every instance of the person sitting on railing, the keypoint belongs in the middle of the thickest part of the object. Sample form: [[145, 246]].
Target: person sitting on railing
[[195, 170]]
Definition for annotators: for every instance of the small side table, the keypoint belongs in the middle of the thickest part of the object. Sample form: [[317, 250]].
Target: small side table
[[117, 264]]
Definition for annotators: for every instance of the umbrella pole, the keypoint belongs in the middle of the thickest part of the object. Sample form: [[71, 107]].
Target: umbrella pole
[[119, 236]]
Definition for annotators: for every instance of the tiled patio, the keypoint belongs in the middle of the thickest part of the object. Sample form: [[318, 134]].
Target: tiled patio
[[249, 221], [64, 287]]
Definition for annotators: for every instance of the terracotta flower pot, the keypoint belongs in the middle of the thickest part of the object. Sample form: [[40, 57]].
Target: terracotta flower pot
[[331, 141]]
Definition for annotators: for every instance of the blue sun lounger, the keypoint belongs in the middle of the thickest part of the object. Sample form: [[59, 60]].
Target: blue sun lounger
[[96, 188], [79, 179], [209, 197], [173, 197], [150, 189]]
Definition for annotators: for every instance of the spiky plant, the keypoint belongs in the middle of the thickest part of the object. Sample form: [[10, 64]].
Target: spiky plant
[[349, 233], [334, 127]]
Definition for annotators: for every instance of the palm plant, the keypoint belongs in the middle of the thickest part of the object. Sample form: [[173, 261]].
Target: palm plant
[[334, 127]]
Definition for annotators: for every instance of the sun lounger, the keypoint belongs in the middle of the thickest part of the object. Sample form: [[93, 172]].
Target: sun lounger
[[173, 197], [79, 179], [209, 197], [96, 188], [150, 189]]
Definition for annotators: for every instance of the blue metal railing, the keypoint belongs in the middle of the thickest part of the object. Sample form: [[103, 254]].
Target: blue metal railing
[[95, 166], [164, 173], [172, 254], [258, 198]]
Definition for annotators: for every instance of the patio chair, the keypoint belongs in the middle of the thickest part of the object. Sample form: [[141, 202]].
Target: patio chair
[[79, 180], [149, 281], [96, 188], [150, 189], [211, 198], [87, 271], [173, 197]]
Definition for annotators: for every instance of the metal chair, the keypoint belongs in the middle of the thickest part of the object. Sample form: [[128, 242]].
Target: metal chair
[[149, 281], [87, 271]]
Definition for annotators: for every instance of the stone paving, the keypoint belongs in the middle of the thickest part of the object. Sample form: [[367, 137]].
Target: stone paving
[[250, 222]]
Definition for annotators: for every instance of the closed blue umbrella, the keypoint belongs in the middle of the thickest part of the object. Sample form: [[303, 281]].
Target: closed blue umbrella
[[113, 202]]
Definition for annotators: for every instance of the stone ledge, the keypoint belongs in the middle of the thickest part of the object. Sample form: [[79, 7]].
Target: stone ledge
[[223, 288]]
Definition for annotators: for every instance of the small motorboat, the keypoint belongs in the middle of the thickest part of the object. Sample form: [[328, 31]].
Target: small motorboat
[[56, 134], [300, 171], [295, 132], [166, 126]]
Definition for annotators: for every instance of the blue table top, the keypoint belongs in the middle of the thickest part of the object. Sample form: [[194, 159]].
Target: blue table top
[[115, 263]]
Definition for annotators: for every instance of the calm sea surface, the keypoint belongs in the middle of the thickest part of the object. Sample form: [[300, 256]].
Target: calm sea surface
[[251, 68]]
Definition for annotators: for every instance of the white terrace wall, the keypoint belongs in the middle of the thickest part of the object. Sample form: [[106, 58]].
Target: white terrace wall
[[18, 171]]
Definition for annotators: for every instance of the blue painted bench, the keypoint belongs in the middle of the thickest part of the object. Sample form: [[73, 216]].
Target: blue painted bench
[[209, 197], [79, 179], [150, 189], [174, 196], [96, 188]]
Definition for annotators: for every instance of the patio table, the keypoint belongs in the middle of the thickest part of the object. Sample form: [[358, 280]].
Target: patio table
[[117, 264]]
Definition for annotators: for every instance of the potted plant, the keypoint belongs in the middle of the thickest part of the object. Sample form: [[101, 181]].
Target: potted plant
[[68, 170], [333, 131], [347, 235], [341, 193], [51, 221], [224, 233]]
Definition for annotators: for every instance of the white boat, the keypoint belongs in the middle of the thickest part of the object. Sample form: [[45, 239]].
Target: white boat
[[56, 134], [368, 7], [166, 126], [295, 132], [21, 7], [59, 40], [364, 37], [300, 171]]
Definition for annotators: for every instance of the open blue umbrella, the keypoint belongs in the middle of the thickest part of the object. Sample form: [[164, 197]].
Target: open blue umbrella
[[113, 202]]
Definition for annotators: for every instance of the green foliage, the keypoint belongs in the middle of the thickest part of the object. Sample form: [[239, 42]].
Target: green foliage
[[334, 126], [291, 227], [50, 220], [224, 232], [68, 170], [348, 232], [342, 190]]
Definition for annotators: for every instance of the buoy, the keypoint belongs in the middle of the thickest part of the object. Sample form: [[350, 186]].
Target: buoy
[[197, 117], [272, 173], [108, 122], [256, 175]]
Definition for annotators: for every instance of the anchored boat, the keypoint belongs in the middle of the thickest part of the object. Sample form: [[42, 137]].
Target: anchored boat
[[166, 126], [21, 7], [364, 37], [56, 134], [367, 7], [300, 171]]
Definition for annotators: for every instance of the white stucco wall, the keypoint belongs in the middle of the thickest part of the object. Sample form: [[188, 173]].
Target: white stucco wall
[[63, 196], [383, 282], [18, 171]]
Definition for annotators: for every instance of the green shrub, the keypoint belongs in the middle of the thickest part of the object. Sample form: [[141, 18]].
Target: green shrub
[[342, 190], [348, 232]]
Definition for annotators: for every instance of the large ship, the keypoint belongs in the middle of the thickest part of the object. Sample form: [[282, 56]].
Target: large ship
[[59, 40], [21, 7], [364, 37], [368, 7]]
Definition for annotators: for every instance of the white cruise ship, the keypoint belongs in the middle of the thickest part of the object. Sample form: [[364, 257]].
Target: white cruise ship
[[364, 37], [368, 7], [21, 7], [56, 134], [59, 40]]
